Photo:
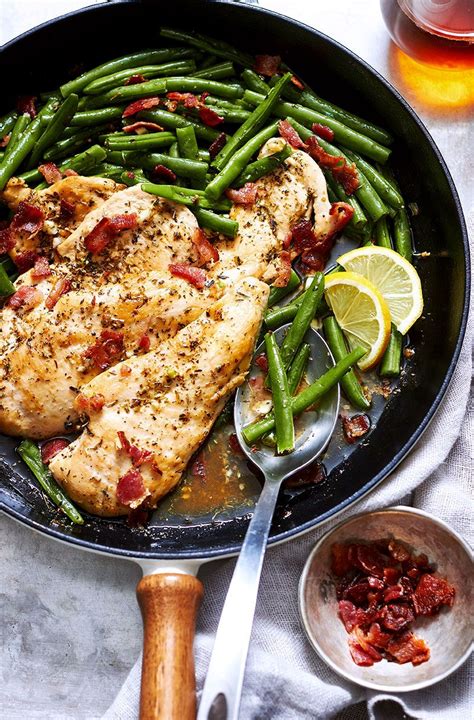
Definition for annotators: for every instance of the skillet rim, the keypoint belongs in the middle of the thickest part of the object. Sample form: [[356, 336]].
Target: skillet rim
[[291, 533]]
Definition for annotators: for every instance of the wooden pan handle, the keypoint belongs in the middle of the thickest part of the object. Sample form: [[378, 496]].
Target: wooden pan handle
[[169, 604]]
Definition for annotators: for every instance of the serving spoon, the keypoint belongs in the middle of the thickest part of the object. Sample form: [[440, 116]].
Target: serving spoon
[[220, 699]]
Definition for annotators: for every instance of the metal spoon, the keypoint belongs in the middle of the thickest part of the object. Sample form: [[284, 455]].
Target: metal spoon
[[220, 698]]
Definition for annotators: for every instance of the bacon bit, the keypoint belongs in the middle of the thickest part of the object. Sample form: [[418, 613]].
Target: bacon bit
[[125, 370], [7, 241], [106, 350], [288, 133], [171, 105], [206, 250], [245, 195], [28, 219], [88, 403], [41, 268], [431, 593], [62, 286], [69, 172], [342, 171], [187, 99], [209, 116], [50, 172], [137, 456], [355, 427], [311, 475], [66, 209], [340, 561], [198, 468], [25, 260], [144, 342], [97, 402], [340, 214], [235, 445], [195, 276], [4, 141], [267, 64], [203, 96], [359, 656], [323, 131], [217, 145], [26, 104], [398, 551], [51, 448], [135, 79], [139, 105], [261, 361], [408, 648], [297, 82], [284, 273], [106, 229], [164, 173], [142, 125], [131, 490], [27, 297]]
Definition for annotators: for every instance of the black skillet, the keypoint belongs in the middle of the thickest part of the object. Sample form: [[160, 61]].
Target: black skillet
[[40, 60]]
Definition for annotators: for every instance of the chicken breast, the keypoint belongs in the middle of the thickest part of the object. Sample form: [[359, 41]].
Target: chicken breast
[[164, 403]]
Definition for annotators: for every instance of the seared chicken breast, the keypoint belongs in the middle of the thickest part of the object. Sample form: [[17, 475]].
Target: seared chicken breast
[[155, 410]]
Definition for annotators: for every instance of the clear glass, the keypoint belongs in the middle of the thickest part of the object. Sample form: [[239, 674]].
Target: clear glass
[[435, 32]]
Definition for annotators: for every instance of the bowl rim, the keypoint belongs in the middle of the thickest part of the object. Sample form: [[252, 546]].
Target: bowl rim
[[304, 615]]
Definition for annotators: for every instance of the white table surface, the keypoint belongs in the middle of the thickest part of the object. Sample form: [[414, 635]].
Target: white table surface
[[74, 674]]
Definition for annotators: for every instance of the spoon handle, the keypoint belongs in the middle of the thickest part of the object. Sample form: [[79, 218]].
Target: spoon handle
[[220, 698]]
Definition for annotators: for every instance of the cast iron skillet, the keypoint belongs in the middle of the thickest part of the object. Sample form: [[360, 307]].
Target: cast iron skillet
[[41, 59]]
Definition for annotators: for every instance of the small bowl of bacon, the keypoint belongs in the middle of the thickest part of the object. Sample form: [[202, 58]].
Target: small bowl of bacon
[[385, 599]]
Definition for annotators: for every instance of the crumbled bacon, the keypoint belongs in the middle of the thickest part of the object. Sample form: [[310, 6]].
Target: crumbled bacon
[[323, 131], [26, 104], [245, 195], [288, 133], [163, 173], [188, 100], [131, 488], [51, 448], [107, 229], [135, 79], [235, 445], [339, 215], [25, 260], [26, 297], [139, 105], [62, 286], [86, 403], [216, 146], [50, 172], [206, 250], [209, 117], [69, 172], [261, 361], [28, 220], [310, 475], [138, 457], [378, 602], [198, 468], [297, 82], [195, 276], [66, 209], [342, 171], [141, 126], [41, 268], [4, 141], [7, 241], [106, 350], [267, 64], [355, 427], [144, 342], [284, 271]]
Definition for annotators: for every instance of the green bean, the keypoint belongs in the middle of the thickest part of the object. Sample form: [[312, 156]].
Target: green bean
[[204, 156], [21, 124], [230, 114], [402, 235], [187, 142], [125, 158], [173, 121], [148, 57], [132, 177], [75, 142], [7, 122], [278, 293], [262, 166], [238, 162], [282, 315], [382, 233], [186, 196], [254, 82], [85, 160], [383, 187], [127, 93], [284, 427], [369, 198], [142, 143], [308, 397], [337, 345], [96, 117], [31, 456], [342, 133], [216, 72], [54, 128], [200, 85], [217, 223], [391, 362], [207, 61], [194, 169], [105, 170], [109, 82], [298, 367], [6, 285], [253, 123], [207, 44], [302, 321]]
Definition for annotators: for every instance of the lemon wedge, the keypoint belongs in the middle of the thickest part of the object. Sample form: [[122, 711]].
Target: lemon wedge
[[361, 312], [394, 277]]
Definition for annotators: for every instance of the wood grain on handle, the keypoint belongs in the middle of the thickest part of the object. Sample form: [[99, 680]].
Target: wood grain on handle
[[169, 604]]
